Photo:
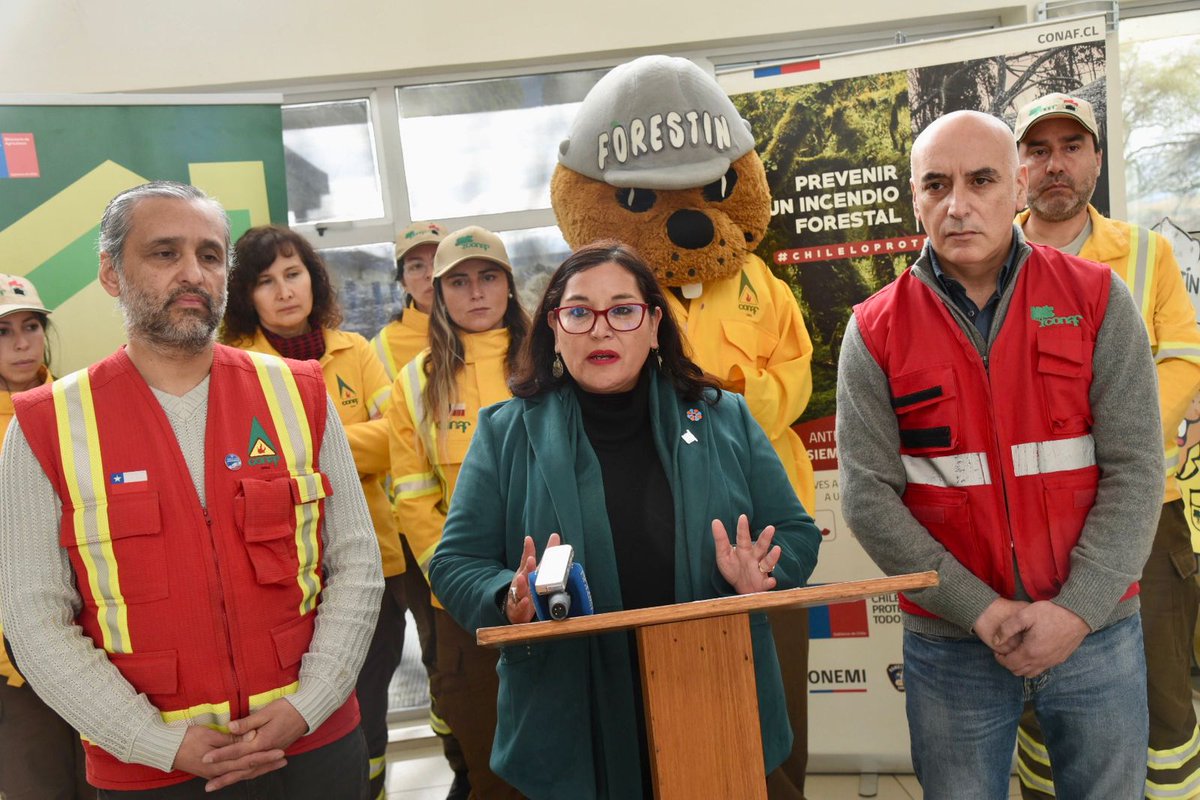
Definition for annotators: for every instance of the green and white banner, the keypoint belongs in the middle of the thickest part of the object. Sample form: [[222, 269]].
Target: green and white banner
[[62, 158]]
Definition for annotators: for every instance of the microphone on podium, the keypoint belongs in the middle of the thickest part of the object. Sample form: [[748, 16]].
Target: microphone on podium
[[560, 589]]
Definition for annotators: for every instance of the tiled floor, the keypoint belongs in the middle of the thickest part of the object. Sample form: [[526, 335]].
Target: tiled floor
[[417, 771]]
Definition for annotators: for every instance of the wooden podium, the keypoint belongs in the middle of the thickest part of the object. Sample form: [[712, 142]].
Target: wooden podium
[[698, 680]]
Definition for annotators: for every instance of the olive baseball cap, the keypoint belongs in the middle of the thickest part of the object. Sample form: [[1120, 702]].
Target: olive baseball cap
[[1057, 105], [18, 294], [657, 122], [418, 233], [466, 243]]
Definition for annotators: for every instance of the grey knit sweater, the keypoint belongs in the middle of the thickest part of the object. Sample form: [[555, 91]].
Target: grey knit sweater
[[39, 601], [1116, 537]]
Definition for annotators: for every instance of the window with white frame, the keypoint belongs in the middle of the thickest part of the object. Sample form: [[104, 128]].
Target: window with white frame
[[1160, 59]]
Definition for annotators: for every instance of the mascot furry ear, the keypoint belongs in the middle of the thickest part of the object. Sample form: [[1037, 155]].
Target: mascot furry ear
[[659, 158]]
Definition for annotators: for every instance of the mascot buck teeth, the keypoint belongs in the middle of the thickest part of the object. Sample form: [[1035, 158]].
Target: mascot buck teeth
[[659, 158]]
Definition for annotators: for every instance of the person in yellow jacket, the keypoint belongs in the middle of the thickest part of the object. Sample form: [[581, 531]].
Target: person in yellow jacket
[[1059, 144], [396, 344], [408, 332], [282, 302], [476, 327], [40, 754]]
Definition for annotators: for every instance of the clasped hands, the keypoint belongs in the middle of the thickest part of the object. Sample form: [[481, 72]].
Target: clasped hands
[[254, 746], [1029, 638], [746, 565]]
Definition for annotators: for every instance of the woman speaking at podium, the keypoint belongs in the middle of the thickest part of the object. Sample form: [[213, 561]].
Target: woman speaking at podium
[[666, 488]]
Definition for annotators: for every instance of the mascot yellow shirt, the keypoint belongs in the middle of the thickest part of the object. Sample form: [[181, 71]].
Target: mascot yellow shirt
[[747, 331]]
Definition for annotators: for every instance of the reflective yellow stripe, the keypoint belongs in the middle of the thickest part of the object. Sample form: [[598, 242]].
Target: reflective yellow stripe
[[385, 355], [417, 485], [1175, 791], [1032, 748], [424, 558], [438, 725], [262, 699], [1139, 271], [379, 402], [1035, 782], [377, 765], [413, 385], [295, 441], [210, 715], [1175, 757], [1171, 459], [1186, 351], [83, 472]]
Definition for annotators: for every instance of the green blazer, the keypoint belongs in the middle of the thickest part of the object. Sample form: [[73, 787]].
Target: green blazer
[[566, 719]]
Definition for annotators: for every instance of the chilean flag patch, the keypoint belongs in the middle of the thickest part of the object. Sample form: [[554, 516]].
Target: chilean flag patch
[[137, 476]]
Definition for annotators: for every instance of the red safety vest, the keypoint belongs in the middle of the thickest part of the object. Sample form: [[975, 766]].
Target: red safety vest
[[999, 455], [206, 611]]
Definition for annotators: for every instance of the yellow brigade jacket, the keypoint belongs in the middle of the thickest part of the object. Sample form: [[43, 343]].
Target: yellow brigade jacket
[[361, 392], [398, 342], [1146, 263], [7, 671], [426, 454], [747, 331]]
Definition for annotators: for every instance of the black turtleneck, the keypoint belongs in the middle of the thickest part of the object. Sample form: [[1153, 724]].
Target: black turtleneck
[[641, 514], [641, 510]]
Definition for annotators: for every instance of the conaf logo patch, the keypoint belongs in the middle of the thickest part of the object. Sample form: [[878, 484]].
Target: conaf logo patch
[[261, 449], [1045, 317], [348, 395], [747, 296]]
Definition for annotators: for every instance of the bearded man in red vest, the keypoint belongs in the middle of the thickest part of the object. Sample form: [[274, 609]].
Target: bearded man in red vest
[[998, 422], [188, 570]]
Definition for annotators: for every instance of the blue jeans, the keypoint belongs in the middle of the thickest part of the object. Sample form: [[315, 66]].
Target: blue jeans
[[963, 709]]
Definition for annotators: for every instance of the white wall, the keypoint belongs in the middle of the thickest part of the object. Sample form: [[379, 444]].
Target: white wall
[[131, 45]]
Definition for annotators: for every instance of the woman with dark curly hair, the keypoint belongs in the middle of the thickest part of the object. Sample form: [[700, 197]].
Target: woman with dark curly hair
[[619, 445], [282, 301]]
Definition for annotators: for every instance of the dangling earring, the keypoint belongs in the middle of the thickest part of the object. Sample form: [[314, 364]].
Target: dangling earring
[[556, 366], [657, 356]]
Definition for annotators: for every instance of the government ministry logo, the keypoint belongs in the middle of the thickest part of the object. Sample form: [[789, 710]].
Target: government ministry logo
[[261, 449], [1045, 317]]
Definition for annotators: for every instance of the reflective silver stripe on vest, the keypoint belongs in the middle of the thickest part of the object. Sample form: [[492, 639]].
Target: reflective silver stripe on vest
[[1057, 455], [1139, 270], [965, 469]]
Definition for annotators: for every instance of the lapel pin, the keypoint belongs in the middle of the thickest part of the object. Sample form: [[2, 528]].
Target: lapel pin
[[689, 437], [694, 414]]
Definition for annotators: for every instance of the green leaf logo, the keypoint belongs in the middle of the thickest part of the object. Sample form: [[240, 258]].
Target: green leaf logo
[[1039, 313]]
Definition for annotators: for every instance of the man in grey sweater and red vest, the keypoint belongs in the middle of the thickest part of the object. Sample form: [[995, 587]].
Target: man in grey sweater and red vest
[[188, 571], [998, 422]]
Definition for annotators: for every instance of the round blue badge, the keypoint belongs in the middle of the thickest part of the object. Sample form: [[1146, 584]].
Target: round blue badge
[[232, 461]]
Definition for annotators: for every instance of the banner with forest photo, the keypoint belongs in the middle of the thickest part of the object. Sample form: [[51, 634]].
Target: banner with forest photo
[[835, 137]]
